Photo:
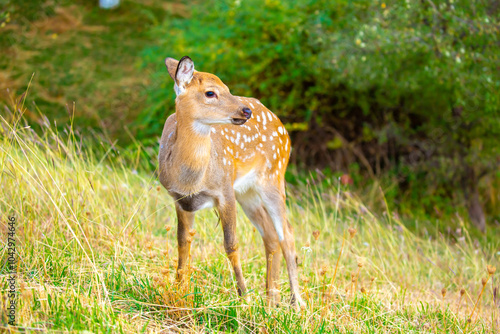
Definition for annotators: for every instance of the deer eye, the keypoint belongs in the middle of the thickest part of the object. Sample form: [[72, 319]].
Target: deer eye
[[210, 94]]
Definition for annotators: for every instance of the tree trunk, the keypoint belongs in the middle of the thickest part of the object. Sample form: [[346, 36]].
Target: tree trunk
[[474, 207]]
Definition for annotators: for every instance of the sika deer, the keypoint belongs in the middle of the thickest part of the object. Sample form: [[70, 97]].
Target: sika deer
[[217, 149]]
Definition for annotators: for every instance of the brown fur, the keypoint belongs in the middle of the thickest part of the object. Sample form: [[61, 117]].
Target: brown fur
[[203, 156]]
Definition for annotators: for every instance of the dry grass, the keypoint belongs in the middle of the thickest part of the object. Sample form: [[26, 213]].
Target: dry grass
[[80, 54], [94, 254]]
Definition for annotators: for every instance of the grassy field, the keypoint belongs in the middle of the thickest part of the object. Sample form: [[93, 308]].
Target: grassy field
[[101, 66], [96, 248], [79, 56], [95, 233]]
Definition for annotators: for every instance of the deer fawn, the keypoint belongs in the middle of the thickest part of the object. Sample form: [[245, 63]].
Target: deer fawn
[[217, 149]]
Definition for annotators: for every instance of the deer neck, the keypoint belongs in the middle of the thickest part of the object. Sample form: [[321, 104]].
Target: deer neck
[[192, 152]]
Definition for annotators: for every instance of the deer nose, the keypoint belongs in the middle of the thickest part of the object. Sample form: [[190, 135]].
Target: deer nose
[[247, 112]]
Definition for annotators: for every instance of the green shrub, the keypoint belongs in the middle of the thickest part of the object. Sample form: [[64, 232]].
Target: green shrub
[[404, 86]]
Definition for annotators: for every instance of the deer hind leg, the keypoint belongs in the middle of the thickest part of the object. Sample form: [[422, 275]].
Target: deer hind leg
[[274, 203], [254, 210], [227, 214], [185, 222]]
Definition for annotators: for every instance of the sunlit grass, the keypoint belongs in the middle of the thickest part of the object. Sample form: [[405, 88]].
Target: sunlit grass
[[96, 245]]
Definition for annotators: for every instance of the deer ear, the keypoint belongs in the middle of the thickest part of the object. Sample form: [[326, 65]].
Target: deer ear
[[184, 74], [171, 64]]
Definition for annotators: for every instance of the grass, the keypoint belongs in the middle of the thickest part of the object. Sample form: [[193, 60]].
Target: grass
[[89, 64], [96, 244], [83, 55]]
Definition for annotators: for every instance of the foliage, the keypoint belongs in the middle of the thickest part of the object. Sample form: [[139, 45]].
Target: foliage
[[409, 87]]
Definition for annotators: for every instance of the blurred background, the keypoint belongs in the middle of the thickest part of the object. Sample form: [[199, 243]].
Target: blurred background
[[396, 100]]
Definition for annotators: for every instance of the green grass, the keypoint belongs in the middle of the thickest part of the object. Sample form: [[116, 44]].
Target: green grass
[[89, 64], [85, 60], [94, 253]]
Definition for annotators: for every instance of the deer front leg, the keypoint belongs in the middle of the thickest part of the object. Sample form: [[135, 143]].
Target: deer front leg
[[227, 214], [185, 221]]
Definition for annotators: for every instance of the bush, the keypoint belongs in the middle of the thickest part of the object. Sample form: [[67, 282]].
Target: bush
[[401, 86]]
